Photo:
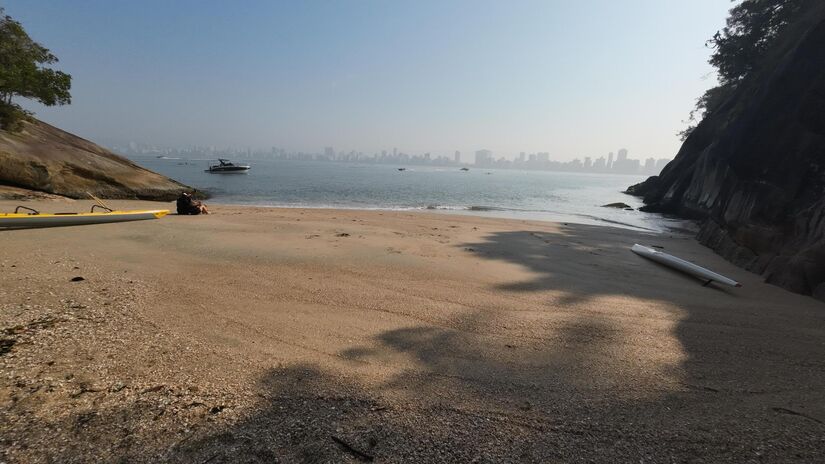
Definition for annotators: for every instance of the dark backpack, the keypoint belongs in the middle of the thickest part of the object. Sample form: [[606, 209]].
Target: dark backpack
[[186, 205]]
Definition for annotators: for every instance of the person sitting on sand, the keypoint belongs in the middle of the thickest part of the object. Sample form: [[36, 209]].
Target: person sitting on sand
[[189, 206]]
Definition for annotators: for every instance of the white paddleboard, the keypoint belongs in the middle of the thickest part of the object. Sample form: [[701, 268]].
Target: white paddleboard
[[682, 265]]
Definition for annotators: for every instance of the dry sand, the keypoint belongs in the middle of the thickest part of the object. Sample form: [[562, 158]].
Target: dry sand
[[289, 335]]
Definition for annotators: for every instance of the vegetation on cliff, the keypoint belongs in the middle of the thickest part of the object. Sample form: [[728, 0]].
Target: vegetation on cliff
[[36, 156], [753, 167], [24, 72], [741, 47]]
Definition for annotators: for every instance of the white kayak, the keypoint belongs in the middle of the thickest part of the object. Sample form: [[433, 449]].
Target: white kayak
[[26, 221], [682, 265]]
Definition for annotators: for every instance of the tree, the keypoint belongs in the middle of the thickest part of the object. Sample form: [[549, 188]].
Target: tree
[[740, 47], [23, 73]]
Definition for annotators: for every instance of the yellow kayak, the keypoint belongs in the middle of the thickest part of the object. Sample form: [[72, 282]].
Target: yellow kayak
[[18, 220]]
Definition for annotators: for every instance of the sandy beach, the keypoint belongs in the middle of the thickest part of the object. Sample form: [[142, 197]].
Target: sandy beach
[[296, 335]]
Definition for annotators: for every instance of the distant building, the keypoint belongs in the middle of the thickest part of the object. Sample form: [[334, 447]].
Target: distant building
[[457, 156], [543, 157], [484, 157], [660, 164], [623, 165], [329, 152], [610, 161], [588, 163], [650, 166]]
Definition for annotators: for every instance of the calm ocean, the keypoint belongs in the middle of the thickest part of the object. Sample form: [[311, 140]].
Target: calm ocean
[[540, 195]]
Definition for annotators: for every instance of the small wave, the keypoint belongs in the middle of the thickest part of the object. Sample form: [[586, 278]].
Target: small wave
[[486, 208], [559, 215], [618, 223], [492, 208]]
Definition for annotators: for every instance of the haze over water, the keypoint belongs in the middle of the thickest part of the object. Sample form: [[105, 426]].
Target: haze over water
[[537, 195]]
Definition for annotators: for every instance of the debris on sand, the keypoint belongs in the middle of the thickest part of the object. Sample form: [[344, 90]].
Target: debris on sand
[[353, 450]]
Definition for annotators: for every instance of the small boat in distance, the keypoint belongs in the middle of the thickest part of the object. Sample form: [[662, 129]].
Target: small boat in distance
[[402, 169], [226, 166], [464, 169]]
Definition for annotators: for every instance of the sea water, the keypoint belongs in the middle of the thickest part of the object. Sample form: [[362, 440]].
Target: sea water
[[508, 193]]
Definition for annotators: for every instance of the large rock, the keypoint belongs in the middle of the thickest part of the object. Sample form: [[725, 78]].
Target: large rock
[[754, 170], [44, 158]]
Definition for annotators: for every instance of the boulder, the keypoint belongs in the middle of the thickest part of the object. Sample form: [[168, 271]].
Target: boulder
[[46, 159]]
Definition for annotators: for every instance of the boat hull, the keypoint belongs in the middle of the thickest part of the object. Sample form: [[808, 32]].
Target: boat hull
[[228, 169], [31, 221], [681, 265]]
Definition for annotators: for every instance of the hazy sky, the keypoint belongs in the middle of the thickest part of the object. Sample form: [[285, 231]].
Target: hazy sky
[[575, 78]]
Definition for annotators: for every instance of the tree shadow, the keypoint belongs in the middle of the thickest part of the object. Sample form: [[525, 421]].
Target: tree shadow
[[593, 367], [606, 370]]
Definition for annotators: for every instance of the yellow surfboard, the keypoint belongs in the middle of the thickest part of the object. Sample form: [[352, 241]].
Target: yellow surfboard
[[19, 220]]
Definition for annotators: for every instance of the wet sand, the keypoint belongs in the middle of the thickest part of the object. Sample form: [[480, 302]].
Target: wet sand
[[257, 334]]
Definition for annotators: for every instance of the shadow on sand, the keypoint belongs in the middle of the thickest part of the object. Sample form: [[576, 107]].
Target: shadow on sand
[[594, 368]]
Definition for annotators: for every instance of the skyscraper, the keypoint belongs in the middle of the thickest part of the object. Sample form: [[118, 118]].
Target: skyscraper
[[457, 156], [650, 166], [610, 161], [484, 157]]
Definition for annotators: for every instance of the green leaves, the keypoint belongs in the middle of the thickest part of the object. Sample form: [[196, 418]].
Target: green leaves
[[740, 47], [750, 30], [23, 72]]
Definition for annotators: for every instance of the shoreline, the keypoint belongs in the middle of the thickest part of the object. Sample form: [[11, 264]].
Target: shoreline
[[665, 224], [547, 196], [255, 333]]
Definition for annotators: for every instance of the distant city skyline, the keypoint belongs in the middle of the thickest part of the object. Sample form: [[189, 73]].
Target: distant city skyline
[[483, 158], [568, 78]]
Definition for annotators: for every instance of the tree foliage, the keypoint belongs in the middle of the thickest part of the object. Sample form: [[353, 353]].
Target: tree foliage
[[740, 47], [24, 73]]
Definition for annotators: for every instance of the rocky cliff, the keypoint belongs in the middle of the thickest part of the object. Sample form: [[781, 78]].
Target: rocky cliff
[[754, 170], [44, 158]]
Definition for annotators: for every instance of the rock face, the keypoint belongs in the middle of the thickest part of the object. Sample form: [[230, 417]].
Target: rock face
[[44, 158], [754, 170]]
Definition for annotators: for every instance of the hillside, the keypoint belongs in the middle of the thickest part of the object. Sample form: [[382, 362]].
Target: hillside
[[754, 170], [46, 159]]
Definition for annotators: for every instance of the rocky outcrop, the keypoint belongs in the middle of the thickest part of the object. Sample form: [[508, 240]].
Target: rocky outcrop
[[754, 170], [46, 159]]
